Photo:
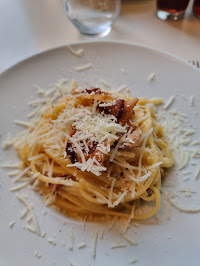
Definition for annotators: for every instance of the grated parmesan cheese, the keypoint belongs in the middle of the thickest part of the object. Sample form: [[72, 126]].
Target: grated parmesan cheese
[[38, 89], [197, 173], [94, 244], [51, 241], [81, 244], [78, 52], [15, 165], [180, 208], [23, 124], [133, 261], [129, 240], [29, 219], [112, 222], [118, 245], [23, 214], [71, 236], [23, 200], [152, 76], [83, 67], [71, 263], [37, 254], [121, 88], [43, 234], [186, 179], [11, 224], [187, 190], [20, 186], [7, 143], [30, 228], [168, 103], [191, 100], [105, 83]]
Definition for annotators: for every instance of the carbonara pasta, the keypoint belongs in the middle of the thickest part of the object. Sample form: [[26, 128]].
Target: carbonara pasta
[[96, 153]]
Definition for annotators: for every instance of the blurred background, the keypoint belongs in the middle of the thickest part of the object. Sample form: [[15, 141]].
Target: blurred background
[[28, 27]]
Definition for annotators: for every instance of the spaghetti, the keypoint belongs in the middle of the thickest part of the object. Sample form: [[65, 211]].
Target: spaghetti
[[97, 153]]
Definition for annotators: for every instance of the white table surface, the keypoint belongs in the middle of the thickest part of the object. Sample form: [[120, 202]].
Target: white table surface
[[31, 26]]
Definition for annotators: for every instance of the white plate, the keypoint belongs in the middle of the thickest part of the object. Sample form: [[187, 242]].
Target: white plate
[[169, 242]]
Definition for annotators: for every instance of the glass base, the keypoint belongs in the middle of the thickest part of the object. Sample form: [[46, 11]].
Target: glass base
[[164, 15], [100, 30], [96, 34]]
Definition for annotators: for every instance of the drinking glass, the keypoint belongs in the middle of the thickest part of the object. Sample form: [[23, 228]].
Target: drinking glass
[[171, 9], [93, 16]]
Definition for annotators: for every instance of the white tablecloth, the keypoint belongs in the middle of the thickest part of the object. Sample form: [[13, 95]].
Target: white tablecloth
[[31, 26]]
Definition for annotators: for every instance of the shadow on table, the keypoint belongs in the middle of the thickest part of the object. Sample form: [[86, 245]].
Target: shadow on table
[[189, 25], [137, 6]]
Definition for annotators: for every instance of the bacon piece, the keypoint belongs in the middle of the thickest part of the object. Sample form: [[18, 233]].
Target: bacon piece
[[121, 109], [94, 91], [134, 136], [116, 109], [92, 146], [93, 152], [128, 111], [71, 153]]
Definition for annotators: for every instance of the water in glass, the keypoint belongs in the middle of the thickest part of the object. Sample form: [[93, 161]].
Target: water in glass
[[92, 16]]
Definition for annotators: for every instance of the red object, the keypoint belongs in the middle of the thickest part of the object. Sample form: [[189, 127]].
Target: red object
[[173, 6], [196, 7]]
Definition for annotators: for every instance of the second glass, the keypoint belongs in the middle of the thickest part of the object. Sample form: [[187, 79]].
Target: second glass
[[196, 8], [171, 9], [93, 16]]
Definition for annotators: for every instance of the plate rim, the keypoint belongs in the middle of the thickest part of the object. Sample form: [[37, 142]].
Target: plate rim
[[158, 51]]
